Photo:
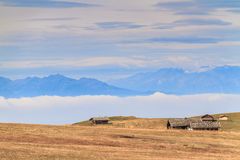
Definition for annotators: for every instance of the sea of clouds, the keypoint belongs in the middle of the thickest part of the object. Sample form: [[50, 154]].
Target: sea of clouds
[[66, 110]]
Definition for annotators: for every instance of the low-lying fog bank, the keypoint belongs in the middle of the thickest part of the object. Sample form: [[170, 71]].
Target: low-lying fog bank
[[64, 110]]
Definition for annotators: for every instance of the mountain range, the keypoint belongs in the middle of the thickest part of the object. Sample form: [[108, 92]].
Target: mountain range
[[167, 80], [57, 85], [224, 79]]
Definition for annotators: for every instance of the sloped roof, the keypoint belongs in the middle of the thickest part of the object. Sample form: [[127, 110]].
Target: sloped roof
[[207, 116], [99, 119], [205, 125], [181, 122]]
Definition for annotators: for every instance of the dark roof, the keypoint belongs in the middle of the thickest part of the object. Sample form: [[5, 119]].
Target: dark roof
[[205, 125], [181, 122], [193, 123], [99, 119], [207, 116]]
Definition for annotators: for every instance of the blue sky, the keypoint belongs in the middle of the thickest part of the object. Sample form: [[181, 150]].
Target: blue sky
[[108, 39]]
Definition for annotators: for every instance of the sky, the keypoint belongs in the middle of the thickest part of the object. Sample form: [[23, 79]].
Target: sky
[[68, 110], [108, 39]]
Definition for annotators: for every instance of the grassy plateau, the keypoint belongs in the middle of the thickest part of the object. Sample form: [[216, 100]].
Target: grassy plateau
[[127, 138]]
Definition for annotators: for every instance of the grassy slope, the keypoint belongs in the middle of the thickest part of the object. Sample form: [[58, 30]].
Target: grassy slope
[[112, 119], [128, 138], [43, 142], [132, 122], [233, 124]]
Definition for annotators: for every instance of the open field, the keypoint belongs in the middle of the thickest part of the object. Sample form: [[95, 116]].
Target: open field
[[120, 141], [233, 124]]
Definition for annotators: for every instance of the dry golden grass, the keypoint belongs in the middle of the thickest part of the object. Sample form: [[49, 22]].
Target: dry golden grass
[[44, 142]]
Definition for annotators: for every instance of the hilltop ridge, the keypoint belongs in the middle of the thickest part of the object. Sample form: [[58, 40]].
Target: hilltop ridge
[[232, 124]]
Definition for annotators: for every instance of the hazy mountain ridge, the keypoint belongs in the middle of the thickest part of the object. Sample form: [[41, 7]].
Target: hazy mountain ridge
[[167, 80], [57, 85], [177, 81]]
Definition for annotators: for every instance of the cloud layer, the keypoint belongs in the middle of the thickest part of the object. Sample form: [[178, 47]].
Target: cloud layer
[[45, 4], [45, 33], [64, 110]]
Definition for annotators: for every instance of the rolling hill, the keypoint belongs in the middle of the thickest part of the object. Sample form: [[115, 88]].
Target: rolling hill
[[233, 124], [128, 138]]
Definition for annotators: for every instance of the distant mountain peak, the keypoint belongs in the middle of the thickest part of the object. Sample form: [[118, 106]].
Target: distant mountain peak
[[225, 79], [57, 76], [171, 70], [88, 79], [58, 85]]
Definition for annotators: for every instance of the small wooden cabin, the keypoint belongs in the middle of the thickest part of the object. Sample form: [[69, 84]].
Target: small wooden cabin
[[99, 120], [223, 118], [180, 123], [207, 117], [177, 123]]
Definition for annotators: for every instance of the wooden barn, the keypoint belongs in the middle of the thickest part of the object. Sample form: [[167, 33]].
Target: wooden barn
[[99, 120], [207, 117], [177, 124], [180, 123]]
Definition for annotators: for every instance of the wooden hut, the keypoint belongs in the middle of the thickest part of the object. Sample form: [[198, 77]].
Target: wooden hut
[[207, 117], [177, 123], [180, 123], [99, 120], [223, 118], [205, 125]]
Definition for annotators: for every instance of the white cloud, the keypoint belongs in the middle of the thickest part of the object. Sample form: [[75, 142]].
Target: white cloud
[[78, 62], [35, 37], [189, 62], [62, 110]]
